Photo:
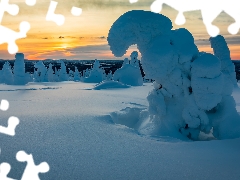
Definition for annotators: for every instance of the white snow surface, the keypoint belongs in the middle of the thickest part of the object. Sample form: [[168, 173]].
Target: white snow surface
[[81, 135]]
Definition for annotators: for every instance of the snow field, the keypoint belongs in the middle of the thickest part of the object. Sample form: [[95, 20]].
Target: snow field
[[71, 127]]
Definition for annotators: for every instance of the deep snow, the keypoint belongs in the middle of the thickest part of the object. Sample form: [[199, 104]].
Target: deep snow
[[71, 127]]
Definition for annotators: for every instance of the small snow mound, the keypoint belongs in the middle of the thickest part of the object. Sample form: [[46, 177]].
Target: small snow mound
[[129, 74], [128, 117], [130, 27], [110, 85]]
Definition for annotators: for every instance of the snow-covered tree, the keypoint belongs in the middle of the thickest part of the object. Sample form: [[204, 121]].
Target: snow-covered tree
[[86, 73], [188, 95], [19, 70], [76, 74], [97, 74], [7, 75], [134, 59], [109, 76], [50, 74], [125, 61], [129, 74], [56, 74], [70, 75], [40, 75], [29, 77], [222, 51], [62, 72], [1, 76]]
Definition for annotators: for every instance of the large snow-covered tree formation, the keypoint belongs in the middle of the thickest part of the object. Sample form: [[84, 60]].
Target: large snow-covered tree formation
[[190, 94]]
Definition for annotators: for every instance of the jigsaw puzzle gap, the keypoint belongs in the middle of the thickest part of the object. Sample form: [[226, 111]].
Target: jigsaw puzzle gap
[[12, 9], [133, 1], [210, 10], [10, 129], [7, 35], [51, 16], [4, 171], [30, 2], [31, 171], [76, 11]]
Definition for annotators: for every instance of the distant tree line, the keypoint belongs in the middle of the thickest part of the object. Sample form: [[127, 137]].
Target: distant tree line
[[107, 65]]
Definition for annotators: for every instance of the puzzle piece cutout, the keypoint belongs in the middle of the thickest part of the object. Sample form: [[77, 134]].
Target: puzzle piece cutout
[[31, 171], [4, 105], [12, 121], [7, 35], [4, 170], [30, 2], [12, 9], [209, 10], [76, 11], [133, 1], [12, 124], [51, 16], [59, 18]]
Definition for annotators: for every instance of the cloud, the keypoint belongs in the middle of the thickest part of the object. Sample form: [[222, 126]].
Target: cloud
[[89, 52], [230, 39], [91, 4]]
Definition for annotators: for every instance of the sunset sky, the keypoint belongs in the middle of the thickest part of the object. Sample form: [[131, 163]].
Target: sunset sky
[[84, 37]]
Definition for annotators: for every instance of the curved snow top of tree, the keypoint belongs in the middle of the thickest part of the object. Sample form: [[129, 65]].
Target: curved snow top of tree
[[195, 82], [161, 47], [136, 27], [96, 64], [221, 50]]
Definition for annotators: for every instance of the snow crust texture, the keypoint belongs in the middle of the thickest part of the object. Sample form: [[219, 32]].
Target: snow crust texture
[[209, 10]]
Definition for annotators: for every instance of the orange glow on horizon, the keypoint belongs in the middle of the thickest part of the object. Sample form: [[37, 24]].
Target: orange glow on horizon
[[44, 50]]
